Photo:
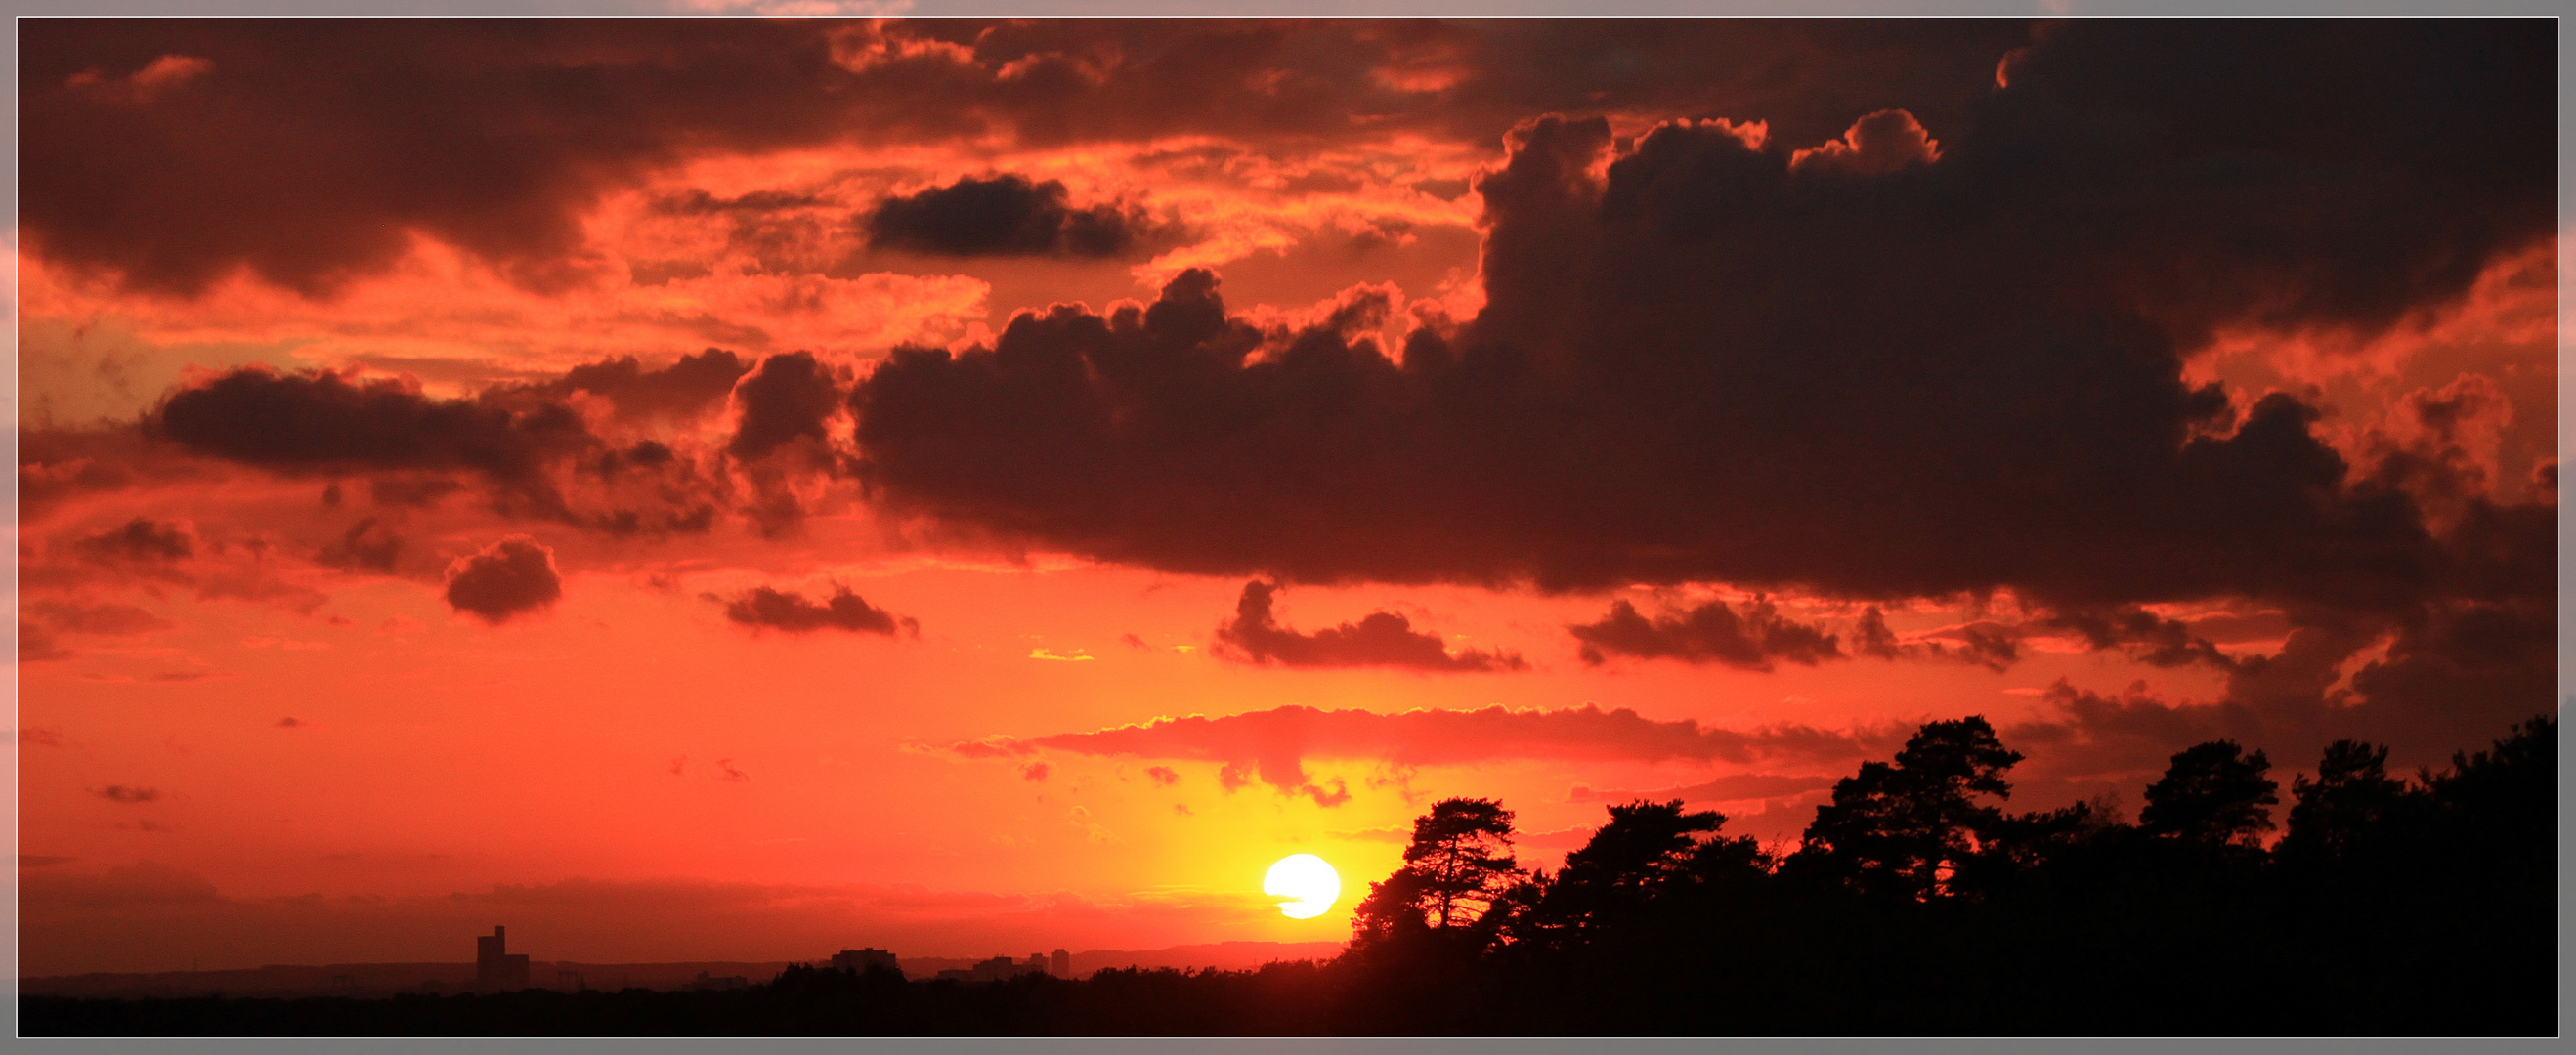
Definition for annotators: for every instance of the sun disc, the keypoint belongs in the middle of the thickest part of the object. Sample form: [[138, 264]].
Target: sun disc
[[1308, 881]]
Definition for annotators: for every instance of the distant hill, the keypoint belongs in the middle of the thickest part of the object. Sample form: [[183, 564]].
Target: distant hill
[[386, 979]]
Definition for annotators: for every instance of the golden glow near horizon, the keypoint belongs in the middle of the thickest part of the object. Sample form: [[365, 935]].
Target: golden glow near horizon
[[1308, 880]]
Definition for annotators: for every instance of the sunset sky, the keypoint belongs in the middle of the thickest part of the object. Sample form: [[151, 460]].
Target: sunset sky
[[743, 489]]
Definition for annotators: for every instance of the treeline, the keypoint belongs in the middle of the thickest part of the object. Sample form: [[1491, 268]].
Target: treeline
[[1915, 904]]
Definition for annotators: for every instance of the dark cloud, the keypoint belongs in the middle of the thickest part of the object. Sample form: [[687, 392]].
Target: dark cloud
[[1985, 643], [2147, 637], [1707, 633], [309, 152], [681, 391], [790, 397], [1936, 374], [766, 608], [1273, 746], [1700, 364], [507, 578], [121, 793], [1004, 215], [1382, 639], [1881, 143], [140, 539], [320, 422], [368, 545]]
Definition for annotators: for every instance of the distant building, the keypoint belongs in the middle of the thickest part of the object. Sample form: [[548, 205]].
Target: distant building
[[999, 968], [709, 981], [1060, 964], [859, 960], [495, 967]]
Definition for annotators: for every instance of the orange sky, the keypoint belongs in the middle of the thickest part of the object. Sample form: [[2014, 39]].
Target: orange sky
[[239, 744]]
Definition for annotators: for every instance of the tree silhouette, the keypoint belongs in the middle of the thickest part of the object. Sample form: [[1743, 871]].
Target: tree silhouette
[[1457, 864], [1628, 862], [2352, 799], [1907, 828], [1644, 845], [2212, 794]]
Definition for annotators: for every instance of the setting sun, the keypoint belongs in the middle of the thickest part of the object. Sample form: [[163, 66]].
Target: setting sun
[[1307, 879]]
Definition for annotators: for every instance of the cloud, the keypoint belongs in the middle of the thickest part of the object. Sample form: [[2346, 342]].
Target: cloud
[[1004, 215], [507, 578], [1034, 771], [1736, 788], [1881, 143], [176, 188], [368, 545], [1943, 372], [1383, 639], [1165, 776], [764, 607], [1985, 643], [121, 793], [322, 422], [681, 391], [1708, 633], [789, 397], [1899, 401], [2147, 637], [1273, 746], [141, 540]]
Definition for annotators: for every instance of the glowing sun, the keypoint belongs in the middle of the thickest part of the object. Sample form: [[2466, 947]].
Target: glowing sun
[[1306, 878]]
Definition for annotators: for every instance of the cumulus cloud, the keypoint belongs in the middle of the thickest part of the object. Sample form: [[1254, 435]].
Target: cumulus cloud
[[323, 422], [1707, 633], [1876, 145], [508, 578], [768, 608], [1005, 215], [1273, 746], [1382, 639], [1892, 370], [789, 397]]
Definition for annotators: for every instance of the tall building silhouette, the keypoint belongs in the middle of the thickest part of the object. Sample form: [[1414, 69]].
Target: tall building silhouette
[[495, 967], [859, 960], [1060, 964]]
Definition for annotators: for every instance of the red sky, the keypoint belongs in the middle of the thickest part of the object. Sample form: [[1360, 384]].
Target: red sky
[[1550, 412]]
